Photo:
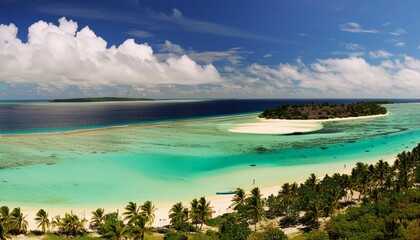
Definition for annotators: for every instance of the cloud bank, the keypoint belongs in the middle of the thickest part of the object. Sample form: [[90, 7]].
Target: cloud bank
[[60, 60], [62, 55]]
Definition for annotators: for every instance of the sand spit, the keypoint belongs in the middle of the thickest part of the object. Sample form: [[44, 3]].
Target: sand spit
[[282, 126]]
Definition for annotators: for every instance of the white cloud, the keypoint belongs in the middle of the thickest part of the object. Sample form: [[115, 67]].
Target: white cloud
[[339, 77], [380, 54], [169, 49], [62, 56], [267, 55], [398, 31], [64, 60], [355, 28], [172, 48]]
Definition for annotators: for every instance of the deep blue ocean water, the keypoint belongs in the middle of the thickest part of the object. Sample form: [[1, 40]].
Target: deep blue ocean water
[[42, 116]]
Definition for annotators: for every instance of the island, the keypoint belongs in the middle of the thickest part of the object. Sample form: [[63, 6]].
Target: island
[[324, 111], [298, 119], [102, 99]]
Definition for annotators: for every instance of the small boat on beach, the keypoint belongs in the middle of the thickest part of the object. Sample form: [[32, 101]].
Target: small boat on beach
[[226, 192]]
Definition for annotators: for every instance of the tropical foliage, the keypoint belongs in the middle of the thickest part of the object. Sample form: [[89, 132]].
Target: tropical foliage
[[376, 201], [324, 111]]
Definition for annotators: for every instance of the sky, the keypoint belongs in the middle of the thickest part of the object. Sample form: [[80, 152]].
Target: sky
[[209, 49]]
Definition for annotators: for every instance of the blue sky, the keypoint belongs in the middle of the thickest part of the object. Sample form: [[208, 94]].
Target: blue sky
[[188, 49]]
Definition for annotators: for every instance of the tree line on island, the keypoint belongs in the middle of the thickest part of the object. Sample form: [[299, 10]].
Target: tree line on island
[[324, 111], [376, 201]]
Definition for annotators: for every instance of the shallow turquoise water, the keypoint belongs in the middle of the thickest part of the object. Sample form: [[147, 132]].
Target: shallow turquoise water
[[181, 160]]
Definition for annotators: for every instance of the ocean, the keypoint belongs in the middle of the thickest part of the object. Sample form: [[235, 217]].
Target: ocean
[[42, 116], [175, 160]]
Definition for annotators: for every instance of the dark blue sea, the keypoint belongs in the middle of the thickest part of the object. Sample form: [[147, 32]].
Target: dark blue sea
[[42, 116]]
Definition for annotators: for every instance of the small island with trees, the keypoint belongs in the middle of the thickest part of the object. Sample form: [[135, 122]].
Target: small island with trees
[[102, 99], [324, 111]]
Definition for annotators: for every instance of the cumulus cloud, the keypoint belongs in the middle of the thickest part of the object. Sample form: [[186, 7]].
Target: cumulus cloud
[[60, 55], [354, 27], [340, 77], [61, 59]]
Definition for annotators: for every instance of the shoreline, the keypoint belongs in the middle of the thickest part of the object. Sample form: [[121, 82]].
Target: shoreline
[[290, 126], [219, 203]]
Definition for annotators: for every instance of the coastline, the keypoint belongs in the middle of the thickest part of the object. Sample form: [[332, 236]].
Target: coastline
[[219, 203], [286, 126]]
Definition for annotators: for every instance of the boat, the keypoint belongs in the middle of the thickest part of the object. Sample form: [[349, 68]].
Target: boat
[[226, 192]]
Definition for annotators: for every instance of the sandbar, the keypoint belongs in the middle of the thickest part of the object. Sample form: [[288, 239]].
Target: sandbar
[[283, 126]]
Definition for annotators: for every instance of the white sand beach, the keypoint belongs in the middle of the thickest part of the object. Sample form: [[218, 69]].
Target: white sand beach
[[282, 126], [220, 203]]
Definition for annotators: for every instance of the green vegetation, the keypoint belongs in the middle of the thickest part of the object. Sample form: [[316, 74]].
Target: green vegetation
[[324, 111], [376, 201], [101, 99]]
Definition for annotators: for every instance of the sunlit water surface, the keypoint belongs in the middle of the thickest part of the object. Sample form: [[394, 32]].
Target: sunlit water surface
[[181, 160]]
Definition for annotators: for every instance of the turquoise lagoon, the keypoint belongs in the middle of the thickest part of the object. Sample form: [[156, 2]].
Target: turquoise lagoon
[[180, 160]]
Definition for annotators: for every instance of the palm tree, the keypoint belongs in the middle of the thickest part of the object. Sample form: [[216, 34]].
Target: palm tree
[[132, 211], [294, 189], [285, 196], [360, 178], [148, 210], [330, 205], [314, 212], [194, 211], [238, 199], [56, 221], [42, 220], [382, 170], [311, 181], [71, 225], [5, 214], [139, 230], [18, 221], [98, 218], [255, 206], [204, 211], [116, 230], [4, 233], [178, 215]]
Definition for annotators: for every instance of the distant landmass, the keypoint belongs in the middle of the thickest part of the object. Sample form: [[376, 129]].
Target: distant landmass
[[102, 99], [324, 111]]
